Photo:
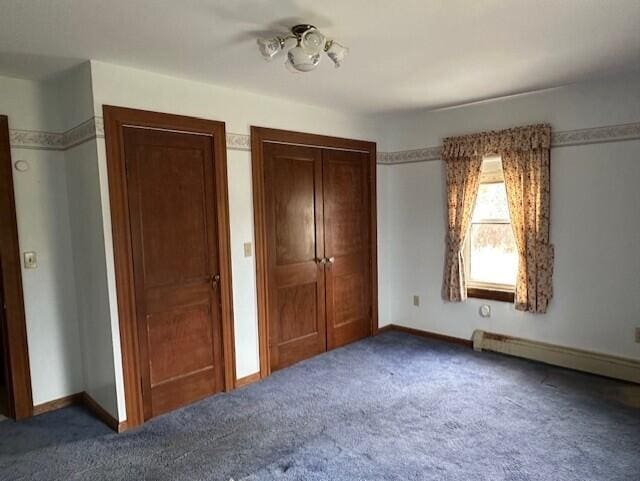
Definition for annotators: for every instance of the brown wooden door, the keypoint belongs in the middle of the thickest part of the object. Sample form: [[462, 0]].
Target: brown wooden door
[[16, 351], [294, 230], [4, 373], [171, 192], [347, 246]]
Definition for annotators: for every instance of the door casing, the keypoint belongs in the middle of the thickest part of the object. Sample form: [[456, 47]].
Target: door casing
[[14, 335], [115, 118], [260, 136]]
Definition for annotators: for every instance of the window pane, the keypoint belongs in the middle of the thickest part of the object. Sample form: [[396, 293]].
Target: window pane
[[493, 254], [491, 202]]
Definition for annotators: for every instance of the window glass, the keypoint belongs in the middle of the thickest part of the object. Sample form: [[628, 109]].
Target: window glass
[[491, 254], [491, 203]]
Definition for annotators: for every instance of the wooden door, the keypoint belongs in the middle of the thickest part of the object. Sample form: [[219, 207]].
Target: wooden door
[[4, 373], [14, 327], [171, 192], [294, 231], [347, 246]]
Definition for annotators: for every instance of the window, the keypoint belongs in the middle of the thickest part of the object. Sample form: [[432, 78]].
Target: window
[[490, 253]]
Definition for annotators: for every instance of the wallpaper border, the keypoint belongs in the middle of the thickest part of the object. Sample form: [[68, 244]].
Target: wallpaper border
[[94, 128], [561, 138]]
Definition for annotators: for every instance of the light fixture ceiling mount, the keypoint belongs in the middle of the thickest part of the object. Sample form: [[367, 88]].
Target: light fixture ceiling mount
[[299, 30], [305, 54]]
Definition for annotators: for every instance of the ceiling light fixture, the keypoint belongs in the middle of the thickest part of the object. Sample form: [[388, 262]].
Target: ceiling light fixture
[[305, 55]]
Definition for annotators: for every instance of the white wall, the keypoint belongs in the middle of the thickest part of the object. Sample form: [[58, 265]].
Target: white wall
[[87, 232], [243, 269], [611, 101], [384, 244], [43, 226], [64, 214], [116, 85], [595, 224], [30, 105]]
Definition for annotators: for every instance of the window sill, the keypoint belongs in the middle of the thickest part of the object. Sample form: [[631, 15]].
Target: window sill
[[491, 294]]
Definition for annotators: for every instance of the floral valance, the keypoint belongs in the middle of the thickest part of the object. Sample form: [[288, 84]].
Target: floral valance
[[518, 139]]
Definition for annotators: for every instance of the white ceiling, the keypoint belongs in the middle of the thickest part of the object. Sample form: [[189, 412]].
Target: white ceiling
[[405, 54]]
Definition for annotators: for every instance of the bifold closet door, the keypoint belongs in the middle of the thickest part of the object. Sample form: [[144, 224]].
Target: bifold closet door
[[347, 218], [295, 247]]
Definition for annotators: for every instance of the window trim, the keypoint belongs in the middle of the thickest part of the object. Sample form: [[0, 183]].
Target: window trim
[[491, 294]]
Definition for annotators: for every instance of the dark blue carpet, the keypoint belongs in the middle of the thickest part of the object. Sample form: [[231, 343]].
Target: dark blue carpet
[[394, 407]]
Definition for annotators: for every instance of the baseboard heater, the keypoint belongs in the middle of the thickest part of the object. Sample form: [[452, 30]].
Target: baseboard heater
[[580, 360]]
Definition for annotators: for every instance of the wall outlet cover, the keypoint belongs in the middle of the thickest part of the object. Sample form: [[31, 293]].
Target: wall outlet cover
[[247, 249]]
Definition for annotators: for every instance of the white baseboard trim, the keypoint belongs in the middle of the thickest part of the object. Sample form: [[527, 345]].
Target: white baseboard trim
[[578, 359]]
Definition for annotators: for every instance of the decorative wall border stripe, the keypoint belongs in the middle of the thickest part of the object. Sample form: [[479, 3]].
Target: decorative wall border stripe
[[94, 128], [410, 156], [88, 130], [610, 133], [84, 132], [562, 138], [238, 141], [34, 139]]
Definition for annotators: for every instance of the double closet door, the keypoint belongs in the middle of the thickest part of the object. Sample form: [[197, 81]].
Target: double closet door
[[318, 236]]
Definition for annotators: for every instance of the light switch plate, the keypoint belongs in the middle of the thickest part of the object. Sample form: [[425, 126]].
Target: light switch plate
[[416, 300], [30, 260], [247, 249]]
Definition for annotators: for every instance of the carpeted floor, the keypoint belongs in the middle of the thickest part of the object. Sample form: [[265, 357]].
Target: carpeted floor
[[394, 407]]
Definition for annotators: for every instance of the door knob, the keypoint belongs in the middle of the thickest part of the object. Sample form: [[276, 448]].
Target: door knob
[[214, 280], [321, 261], [331, 260]]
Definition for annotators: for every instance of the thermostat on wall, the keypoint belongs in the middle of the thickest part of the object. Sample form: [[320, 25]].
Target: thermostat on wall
[[485, 310]]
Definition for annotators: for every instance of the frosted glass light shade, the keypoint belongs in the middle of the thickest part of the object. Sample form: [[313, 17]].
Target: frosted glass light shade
[[269, 47], [303, 46], [302, 61], [337, 53], [312, 41], [289, 66]]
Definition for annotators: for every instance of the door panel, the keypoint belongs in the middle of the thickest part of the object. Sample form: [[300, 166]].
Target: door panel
[[347, 245], [294, 225], [171, 191]]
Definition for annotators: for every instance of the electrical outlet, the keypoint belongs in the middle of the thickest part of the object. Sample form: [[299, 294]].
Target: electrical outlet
[[416, 300], [247, 249], [637, 334]]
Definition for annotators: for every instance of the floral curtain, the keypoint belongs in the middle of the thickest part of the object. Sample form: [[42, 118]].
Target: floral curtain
[[527, 180], [525, 153], [463, 178]]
